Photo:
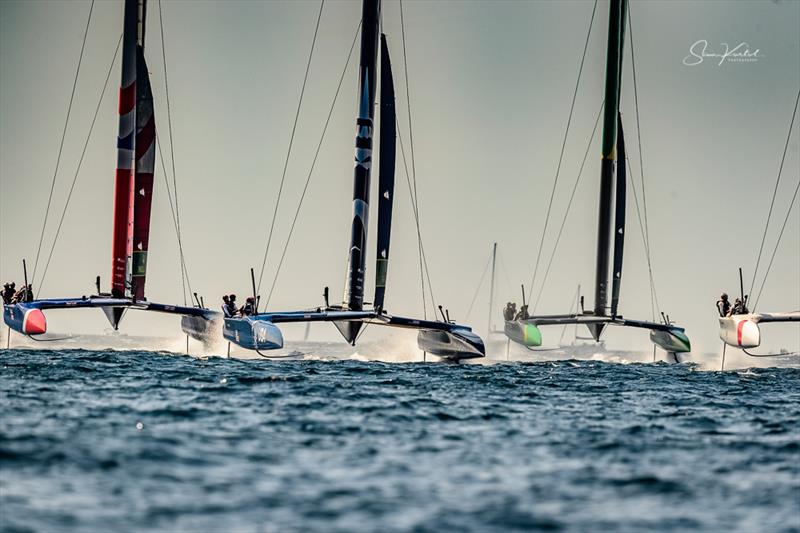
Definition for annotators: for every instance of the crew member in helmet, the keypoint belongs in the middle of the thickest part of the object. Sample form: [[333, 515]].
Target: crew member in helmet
[[232, 309], [226, 302], [724, 305], [739, 308], [8, 292], [249, 307]]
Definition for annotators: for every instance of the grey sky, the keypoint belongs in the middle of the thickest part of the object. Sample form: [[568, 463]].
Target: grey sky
[[490, 83]]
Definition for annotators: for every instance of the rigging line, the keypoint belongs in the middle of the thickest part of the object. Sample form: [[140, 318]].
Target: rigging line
[[61, 145], [289, 150], [654, 306], [420, 243], [505, 272], [561, 155], [780, 235], [478, 288], [413, 161], [569, 205], [774, 193], [313, 165], [416, 220], [184, 274], [575, 304], [646, 231], [638, 132], [80, 163], [185, 270]]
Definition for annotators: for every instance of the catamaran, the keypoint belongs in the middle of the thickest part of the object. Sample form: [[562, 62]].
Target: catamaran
[[741, 329], [444, 338], [136, 152], [525, 329]]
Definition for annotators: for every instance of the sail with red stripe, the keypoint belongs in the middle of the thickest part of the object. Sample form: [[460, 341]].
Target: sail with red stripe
[[123, 199], [136, 143], [143, 180]]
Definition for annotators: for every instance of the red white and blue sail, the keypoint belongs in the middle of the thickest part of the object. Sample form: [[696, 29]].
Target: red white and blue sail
[[135, 161]]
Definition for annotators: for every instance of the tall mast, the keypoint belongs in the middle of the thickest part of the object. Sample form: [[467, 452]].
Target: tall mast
[[491, 292], [611, 109], [122, 243], [354, 290]]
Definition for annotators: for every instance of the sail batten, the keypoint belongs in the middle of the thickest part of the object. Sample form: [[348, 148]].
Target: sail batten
[[386, 169]]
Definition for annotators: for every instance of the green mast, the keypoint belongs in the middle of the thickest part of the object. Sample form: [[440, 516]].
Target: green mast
[[616, 26]]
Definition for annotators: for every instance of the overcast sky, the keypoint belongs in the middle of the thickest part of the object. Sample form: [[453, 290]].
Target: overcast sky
[[490, 85]]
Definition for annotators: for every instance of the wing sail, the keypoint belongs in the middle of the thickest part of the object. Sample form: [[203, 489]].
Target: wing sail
[[354, 285], [388, 148], [143, 181], [619, 218], [123, 186]]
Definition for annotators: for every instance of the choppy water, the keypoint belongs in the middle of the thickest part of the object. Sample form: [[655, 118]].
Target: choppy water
[[125, 441]]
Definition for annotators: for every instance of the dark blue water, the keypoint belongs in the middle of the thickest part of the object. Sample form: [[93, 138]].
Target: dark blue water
[[126, 441]]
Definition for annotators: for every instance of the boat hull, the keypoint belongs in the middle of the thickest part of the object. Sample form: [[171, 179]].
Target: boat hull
[[25, 320], [452, 345], [671, 341], [252, 334], [739, 332], [200, 328], [523, 333]]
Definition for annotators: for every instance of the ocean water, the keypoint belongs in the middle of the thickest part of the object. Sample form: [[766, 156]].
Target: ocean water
[[134, 441]]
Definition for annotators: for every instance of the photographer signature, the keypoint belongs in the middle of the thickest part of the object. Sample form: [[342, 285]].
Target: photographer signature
[[740, 53]]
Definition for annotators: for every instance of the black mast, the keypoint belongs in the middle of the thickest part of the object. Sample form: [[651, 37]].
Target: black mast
[[611, 110], [354, 290]]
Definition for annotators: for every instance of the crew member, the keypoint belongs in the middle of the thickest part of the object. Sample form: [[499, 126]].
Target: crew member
[[8, 292], [248, 308], [509, 312], [723, 305], [232, 309], [739, 308], [226, 301]]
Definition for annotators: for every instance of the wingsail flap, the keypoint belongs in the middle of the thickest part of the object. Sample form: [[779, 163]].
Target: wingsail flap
[[145, 156], [619, 217], [388, 140]]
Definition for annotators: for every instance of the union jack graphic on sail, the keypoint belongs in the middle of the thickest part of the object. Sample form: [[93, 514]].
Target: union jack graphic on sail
[[143, 178], [122, 243]]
